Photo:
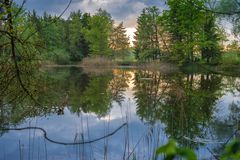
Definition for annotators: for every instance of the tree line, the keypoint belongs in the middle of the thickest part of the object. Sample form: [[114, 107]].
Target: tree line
[[187, 31], [80, 35], [64, 40]]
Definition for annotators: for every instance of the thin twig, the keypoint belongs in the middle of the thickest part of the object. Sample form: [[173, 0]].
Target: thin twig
[[63, 143], [20, 9]]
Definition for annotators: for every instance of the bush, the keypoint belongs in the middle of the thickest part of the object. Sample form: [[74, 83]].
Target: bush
[[231, 58], [58, 56], [172, 151], [98, 61]]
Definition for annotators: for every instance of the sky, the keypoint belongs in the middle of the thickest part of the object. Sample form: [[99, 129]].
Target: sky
[[125, 11]]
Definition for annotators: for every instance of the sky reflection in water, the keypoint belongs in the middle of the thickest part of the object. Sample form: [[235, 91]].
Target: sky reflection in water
[[153, 105]]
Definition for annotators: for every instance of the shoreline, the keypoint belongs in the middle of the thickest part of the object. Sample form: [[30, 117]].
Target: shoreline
[[195, 67]]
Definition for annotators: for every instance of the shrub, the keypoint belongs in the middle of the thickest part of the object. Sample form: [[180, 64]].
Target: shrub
[[98, 61], [231, 58]]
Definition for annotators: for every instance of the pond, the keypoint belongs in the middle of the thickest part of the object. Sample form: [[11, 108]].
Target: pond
[[78, 114]]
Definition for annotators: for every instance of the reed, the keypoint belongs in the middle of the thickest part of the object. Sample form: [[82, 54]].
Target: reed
[[98, 61]]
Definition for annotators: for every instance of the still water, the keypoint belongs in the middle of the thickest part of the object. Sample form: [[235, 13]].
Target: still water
[[125, 113]]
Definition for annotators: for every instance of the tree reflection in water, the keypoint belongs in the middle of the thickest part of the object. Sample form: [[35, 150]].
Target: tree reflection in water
[[186, 105]]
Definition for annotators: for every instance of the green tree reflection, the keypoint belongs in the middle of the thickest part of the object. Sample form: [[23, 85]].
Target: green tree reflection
[[57, 88], [184, 103]]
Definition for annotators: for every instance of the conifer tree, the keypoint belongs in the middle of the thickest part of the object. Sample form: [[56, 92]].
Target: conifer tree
[[119, 40]]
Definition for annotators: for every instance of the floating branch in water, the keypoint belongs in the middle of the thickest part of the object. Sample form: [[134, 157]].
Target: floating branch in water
[[203, 141], [64, 143]]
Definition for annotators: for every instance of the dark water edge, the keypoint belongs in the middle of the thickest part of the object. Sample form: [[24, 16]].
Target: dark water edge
[[231, 70], [199, 110], [228, 70]]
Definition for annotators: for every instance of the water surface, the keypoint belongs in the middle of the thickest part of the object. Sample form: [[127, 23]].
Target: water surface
[[200, 111]]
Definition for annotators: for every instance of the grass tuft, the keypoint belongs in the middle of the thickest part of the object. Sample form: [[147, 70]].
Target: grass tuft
[[98, 61]]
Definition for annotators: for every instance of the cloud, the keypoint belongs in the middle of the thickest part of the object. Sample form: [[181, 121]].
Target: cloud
[[121, 10]]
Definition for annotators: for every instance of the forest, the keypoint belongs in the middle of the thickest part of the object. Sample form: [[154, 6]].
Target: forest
[[190, 31]]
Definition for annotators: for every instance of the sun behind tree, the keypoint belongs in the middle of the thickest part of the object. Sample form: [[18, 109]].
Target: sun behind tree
[[119, 41]]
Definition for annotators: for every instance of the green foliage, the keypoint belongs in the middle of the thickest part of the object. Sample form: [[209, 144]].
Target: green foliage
[[77, 45], [172, 151], [62, 41], [210, 47], [100, 26], [147, 35], [180, 102], [186, 31], [232, 151], [118, 40], [66, 35], [192, 31], [15, 33], [51, 33], [81, 35], [231, 58], [58, 56], [96, 98]]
